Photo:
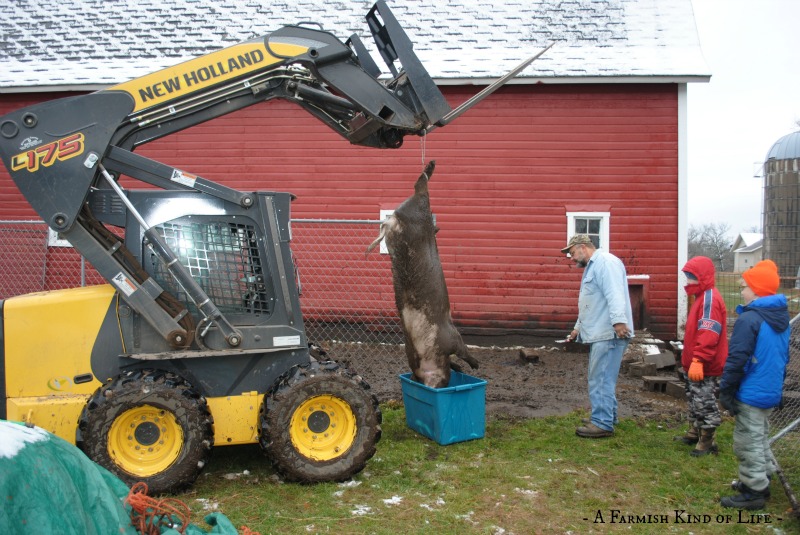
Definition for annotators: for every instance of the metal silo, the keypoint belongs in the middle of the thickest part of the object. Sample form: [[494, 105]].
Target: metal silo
[[781, 215]]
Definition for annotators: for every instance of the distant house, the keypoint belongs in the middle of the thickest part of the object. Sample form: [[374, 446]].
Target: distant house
[[747, 250], [591, 137]]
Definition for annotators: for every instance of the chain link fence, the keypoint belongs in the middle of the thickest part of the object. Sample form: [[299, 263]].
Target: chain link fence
[[785, 422], [728, 286], [346, 297]]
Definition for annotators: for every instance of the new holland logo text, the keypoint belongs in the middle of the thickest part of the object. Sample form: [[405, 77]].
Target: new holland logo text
[[46, 155], [203, 74]]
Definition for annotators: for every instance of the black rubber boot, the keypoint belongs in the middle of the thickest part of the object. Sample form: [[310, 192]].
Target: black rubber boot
[[748, 499], [738, 486], [691, 437], [706, 443]]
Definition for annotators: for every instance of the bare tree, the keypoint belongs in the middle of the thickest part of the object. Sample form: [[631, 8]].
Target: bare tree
[[712, 240], [695, 241]]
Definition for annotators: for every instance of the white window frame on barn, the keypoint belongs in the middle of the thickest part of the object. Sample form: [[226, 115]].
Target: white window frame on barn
[[603, 240], [383, 215]]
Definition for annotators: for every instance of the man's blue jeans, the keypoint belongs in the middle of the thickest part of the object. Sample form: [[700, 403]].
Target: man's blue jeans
[[605, 358]]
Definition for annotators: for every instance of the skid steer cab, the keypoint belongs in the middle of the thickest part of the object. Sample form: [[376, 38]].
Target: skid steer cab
[[197, 339]]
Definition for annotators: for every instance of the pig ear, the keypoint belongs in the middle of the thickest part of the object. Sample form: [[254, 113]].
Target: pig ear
[[422, 182]]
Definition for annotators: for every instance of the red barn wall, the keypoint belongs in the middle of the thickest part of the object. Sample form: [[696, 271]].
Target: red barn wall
[[507, 172]]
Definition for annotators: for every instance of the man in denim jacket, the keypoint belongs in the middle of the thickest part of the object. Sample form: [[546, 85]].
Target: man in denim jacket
[[605, 322]]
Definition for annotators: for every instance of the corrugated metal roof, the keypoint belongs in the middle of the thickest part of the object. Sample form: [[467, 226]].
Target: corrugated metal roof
[[50, 43], [786, 148]]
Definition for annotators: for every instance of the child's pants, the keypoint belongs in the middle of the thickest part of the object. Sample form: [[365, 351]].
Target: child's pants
[[751, 446]]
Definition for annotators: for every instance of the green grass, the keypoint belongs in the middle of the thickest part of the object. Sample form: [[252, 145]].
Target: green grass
[[523, 477]]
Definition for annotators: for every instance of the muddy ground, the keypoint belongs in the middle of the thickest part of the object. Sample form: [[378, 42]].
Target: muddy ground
[[550, 379]]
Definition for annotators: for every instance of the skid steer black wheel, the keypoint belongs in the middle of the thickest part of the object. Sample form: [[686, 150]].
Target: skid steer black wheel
[[149, 426], [319, 422]]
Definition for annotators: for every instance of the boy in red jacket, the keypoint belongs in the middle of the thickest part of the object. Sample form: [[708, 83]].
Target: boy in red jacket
[[705, 348]]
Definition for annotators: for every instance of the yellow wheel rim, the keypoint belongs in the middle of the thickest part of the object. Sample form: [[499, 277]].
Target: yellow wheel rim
[[145, 440], [323, 428]]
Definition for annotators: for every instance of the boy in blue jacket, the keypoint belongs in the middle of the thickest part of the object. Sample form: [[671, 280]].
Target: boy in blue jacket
[[752, 380]]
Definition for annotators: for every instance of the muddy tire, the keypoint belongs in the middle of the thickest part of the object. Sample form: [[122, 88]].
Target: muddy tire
[[319, 422], [149, 426]]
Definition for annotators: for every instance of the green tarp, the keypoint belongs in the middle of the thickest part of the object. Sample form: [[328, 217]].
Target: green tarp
[[47, 485]]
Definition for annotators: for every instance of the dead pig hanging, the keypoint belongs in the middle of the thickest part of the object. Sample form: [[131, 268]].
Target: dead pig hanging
[[420, 291]]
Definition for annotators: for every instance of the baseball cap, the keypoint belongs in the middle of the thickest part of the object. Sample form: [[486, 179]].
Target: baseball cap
[[577, 239]]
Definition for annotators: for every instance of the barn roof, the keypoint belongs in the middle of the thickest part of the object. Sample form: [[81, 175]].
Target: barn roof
[[747, 242], [750, 248], [52, 44]]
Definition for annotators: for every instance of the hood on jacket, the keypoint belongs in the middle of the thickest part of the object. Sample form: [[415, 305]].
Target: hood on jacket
[[703, 268], [772, 308]]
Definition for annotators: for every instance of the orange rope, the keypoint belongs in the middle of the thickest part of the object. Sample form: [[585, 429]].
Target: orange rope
[[248, 531], [148, 514]]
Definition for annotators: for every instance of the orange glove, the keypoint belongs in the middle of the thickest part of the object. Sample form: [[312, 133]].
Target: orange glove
[[696, 371]]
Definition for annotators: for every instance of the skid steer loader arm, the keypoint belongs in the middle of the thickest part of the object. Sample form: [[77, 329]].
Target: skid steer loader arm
[[59, 152]]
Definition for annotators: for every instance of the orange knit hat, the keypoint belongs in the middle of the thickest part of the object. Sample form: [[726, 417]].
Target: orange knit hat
[[763, 278]]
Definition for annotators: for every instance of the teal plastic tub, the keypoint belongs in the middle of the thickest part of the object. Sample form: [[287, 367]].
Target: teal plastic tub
[[452, 414]]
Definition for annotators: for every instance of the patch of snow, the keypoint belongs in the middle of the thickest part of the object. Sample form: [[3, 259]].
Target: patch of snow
[[651, 349], [207, 504], [361, 510], [14, 437], [468, 518], [438, 503], [527, 492], [394, 500]]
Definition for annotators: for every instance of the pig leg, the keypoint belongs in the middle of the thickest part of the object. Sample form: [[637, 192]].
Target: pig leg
[[381, 235], [469, 359], [455, 366], [455, 362], [451, 344]]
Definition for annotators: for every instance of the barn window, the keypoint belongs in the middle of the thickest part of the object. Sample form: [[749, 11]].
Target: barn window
[[595, 224]]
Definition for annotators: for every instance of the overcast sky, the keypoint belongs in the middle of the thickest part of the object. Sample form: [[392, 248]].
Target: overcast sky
[[752, 48]]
